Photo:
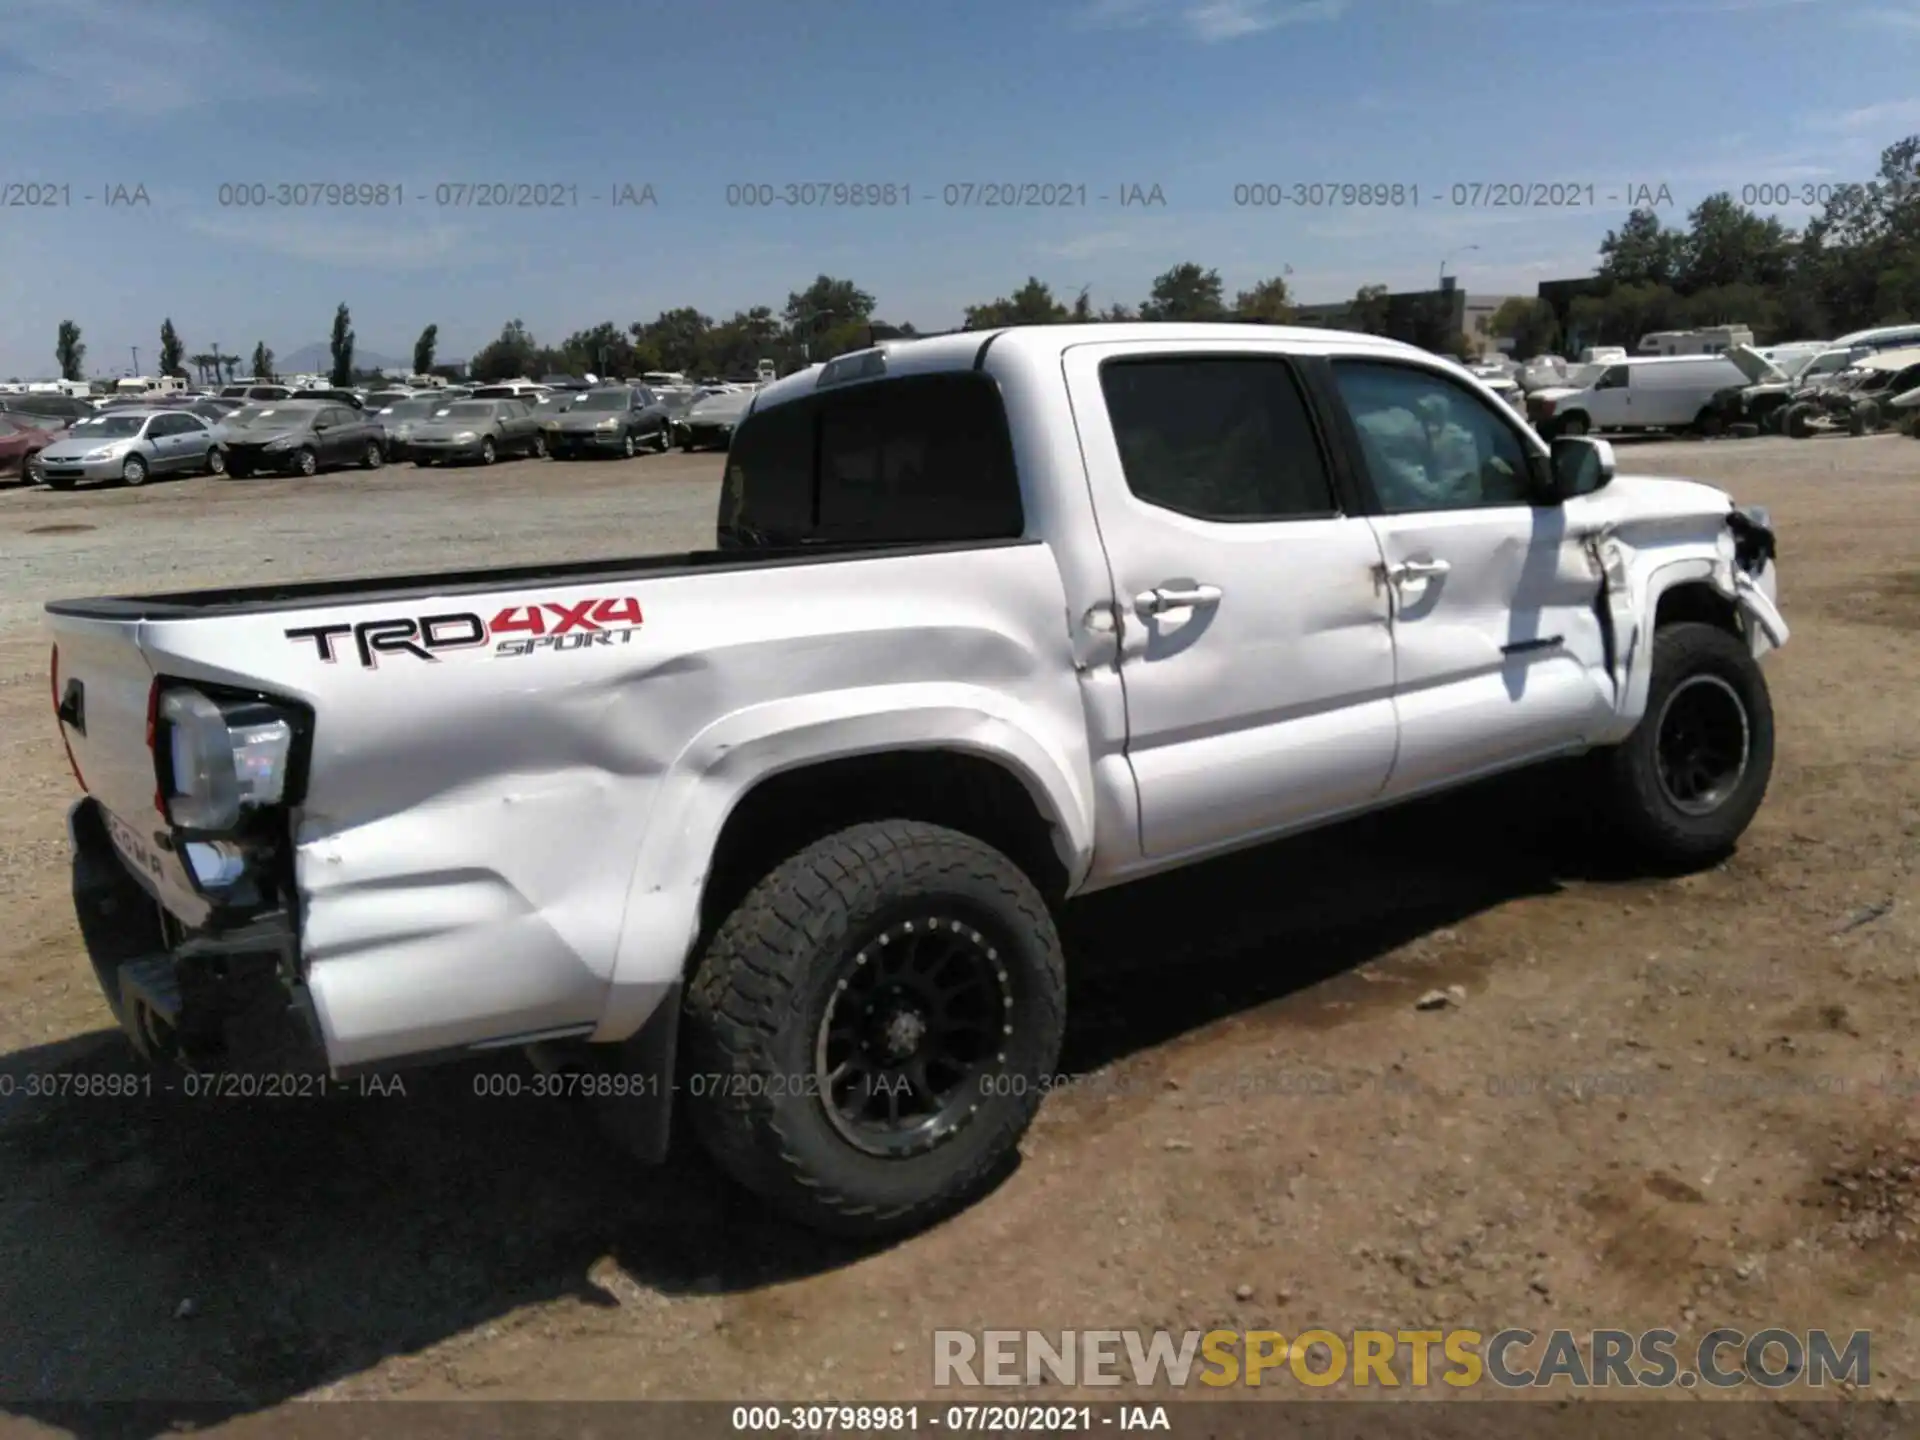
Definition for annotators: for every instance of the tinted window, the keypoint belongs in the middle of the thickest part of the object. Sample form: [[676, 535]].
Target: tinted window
[[1218, 438], [1614, 377], [1431, 444], [922, 459], [167, 425]]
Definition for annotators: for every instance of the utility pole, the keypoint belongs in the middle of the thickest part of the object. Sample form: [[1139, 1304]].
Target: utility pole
[[136, 359]]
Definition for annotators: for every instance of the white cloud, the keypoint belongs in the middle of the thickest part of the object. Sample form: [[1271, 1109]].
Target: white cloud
[[1216, 20], [142, 60], [389, 245], [1209, 21], [1905, 21], [1098, 242], [1878, 120]]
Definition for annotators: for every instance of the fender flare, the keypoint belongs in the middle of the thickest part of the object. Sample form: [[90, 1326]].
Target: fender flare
[[724, 762]]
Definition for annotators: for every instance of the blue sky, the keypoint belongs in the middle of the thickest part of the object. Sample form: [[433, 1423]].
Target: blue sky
[[1195, 96]]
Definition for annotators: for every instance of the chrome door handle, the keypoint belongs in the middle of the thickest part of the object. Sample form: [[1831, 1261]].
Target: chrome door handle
[[1163, 599], [1418, 570]]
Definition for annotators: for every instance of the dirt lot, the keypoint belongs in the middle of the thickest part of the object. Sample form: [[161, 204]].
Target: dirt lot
[[1686, 1103]]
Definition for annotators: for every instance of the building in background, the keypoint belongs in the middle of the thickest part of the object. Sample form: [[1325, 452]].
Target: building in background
[[1430, 319]]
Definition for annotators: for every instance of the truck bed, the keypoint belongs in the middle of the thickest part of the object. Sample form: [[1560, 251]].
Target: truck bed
[[301, 595]]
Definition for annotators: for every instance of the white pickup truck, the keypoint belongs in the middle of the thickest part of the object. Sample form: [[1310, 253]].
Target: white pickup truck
[[771, 836]]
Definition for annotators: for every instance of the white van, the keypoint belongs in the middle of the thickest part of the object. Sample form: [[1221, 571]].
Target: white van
[[1642, 393], [1712, 340]]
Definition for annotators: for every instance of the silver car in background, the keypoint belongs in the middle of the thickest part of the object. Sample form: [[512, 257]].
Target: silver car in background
[[131, 446]]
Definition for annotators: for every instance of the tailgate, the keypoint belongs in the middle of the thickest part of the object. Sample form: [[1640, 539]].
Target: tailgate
[[101, 684]]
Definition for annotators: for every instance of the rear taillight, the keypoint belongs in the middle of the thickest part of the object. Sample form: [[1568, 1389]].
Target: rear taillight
[[53, 684]]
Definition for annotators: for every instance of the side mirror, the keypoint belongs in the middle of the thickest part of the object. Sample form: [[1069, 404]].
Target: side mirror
[[1579, 466]]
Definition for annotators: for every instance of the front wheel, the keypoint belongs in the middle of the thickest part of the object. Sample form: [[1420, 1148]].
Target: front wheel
[[306, 463], [868, 1035], [1686, 784], [1798, 421], [487, 452], [1709, 424], [134, 472], [627, 448]]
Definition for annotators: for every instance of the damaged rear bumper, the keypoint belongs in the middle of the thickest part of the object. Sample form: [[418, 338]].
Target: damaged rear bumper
[[224, 999]]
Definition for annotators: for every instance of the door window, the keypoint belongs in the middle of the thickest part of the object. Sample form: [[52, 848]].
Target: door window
[[1431, 444], [1225, 438]]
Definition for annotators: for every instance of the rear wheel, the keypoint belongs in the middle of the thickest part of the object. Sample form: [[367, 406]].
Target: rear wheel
[[539, 450], [1798, 421], [662, 441], [1863, 418], [1685, 785], [868, 1033], [216, 461], [374, 457]]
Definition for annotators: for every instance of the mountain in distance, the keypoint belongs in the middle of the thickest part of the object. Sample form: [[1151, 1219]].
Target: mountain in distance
[[318, 360]]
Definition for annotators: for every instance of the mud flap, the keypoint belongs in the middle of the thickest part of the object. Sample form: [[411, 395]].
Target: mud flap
[[641, 1122]]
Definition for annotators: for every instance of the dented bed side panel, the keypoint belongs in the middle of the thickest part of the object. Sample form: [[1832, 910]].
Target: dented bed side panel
[[504, 838]]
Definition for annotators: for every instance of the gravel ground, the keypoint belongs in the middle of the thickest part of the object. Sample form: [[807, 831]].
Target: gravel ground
[[1683, 1102]]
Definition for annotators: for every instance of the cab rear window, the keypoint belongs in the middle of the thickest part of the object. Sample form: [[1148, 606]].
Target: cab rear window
[[915, 460]]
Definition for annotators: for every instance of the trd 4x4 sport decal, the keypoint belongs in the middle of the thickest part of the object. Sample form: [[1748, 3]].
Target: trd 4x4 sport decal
[[516, 630]]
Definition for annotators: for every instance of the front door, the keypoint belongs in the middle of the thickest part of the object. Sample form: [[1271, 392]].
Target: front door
[[1498, 651], [1255, 656]]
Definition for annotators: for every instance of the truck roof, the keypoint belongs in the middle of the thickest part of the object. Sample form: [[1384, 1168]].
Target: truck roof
[[962, 350]]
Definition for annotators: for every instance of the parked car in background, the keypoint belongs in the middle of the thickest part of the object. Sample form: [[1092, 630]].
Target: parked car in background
[[301, 437], [398, 419], [338, 397], [21, 441], [256, 392], [710, 421], [48, 404], [130, 446], [477, 430], [619, 420], [380, 399], [510, 390]]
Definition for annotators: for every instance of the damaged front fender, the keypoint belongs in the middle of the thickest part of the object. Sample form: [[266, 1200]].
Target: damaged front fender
[[1739, 568]]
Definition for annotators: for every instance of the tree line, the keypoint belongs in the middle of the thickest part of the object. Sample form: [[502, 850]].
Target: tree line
[[1855, 264]]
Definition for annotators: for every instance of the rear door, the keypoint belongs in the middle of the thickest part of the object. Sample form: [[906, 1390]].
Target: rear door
[[1255, 656], [1498, 654]]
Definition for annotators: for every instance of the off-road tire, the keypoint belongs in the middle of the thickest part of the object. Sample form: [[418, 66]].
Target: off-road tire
[[1863, 419], [1633, 798], [755, 1002], [1798, 421]]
